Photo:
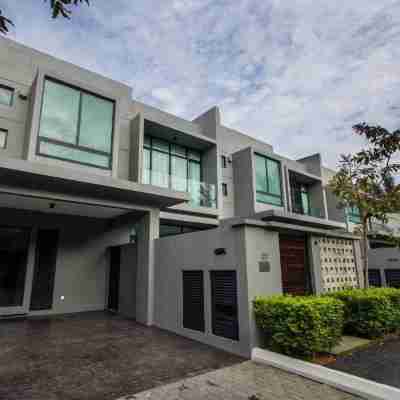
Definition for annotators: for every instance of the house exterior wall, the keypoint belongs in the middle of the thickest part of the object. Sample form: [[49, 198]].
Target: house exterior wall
[[195, 251], [82, 257]]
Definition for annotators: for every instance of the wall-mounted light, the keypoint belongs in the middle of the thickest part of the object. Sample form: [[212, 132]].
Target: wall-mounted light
[[22, 96], [220, 251]]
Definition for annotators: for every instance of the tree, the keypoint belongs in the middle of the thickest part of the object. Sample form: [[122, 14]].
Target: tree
[[58, 7], [366, 180]]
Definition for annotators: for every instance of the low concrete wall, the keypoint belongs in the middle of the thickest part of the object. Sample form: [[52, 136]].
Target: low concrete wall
[[195, 251], [245, 248]]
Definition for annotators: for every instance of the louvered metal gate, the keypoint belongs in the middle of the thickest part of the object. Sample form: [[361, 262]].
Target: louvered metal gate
[[393, 278], [224, 304], [193, 300], [374, 277]]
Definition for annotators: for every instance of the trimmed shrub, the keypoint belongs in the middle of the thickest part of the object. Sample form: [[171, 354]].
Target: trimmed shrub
[[371, 312], [299, 326]]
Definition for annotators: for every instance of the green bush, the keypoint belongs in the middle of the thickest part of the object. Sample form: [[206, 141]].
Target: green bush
[[371, 312], [299, 326]]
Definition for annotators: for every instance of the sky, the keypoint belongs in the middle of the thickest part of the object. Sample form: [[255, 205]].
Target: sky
[[297, 74]]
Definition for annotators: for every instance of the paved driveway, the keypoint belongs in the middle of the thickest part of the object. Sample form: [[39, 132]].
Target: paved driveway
[[379, 362], [95, 356], [244, 381]]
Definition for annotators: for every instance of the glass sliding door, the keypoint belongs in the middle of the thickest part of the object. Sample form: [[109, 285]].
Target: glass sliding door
[[14, 244]]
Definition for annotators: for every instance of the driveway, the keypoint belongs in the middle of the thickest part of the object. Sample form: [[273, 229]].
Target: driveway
[[95, 356], [379, 362], [244, 381]]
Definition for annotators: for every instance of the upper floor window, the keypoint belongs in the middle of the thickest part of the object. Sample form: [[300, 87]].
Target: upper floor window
[[354, 214], [301, 199], [6, 95], [76, 125], [3, 138], [172, 166], [268, 181]]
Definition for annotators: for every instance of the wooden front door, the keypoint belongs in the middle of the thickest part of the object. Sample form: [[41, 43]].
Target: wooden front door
[[295, 278]]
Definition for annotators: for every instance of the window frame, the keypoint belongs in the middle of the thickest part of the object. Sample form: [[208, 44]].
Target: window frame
[[76, 146], [171, 154], [181, 229], [12, 90], [267, 193], [5, 131], [224, 189], [224, 162]]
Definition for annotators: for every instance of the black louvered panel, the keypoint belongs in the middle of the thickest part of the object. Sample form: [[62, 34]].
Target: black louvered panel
[[392, 277], [224, 304], [374, 277], [193, 300]]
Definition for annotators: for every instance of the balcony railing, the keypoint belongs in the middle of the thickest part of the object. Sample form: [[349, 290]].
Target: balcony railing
[[202, 194], [312, 212]]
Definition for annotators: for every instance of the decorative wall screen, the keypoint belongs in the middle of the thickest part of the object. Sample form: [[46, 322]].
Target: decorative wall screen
[[338, 265]]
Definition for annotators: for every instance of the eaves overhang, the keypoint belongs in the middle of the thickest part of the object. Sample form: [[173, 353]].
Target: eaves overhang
[[285, 228], [39, 176], [299, 219]]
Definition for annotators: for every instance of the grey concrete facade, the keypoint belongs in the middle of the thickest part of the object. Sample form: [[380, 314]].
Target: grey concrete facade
[[100, 207]]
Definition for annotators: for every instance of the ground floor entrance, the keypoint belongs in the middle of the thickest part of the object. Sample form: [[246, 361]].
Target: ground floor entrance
[[95, 356], [14, 245], [295, 272]]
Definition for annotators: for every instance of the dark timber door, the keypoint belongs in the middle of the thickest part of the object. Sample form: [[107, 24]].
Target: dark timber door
[[115, 264], [45, 269], [295, 279], [224, 304]]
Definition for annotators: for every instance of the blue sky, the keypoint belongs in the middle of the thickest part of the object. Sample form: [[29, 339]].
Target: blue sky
[[297, 74]]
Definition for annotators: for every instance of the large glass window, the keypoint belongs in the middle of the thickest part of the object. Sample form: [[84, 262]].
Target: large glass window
[[300, 199], [6, 95], [76, 126], [354, 214], [268, 180], [171, 166]]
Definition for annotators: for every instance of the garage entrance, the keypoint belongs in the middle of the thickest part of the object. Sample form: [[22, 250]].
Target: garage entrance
[[295, 274], [95, 356]]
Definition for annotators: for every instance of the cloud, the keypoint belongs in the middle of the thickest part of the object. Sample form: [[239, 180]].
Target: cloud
[[296, 74]]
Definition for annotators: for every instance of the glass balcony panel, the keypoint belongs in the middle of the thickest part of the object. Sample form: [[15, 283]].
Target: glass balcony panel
[[201, 194]]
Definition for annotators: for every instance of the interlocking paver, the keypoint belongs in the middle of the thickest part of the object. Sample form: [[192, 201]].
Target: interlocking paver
[[241, 382]]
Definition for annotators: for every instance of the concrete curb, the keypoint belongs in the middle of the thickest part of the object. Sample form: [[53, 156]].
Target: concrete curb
[[349, 383]]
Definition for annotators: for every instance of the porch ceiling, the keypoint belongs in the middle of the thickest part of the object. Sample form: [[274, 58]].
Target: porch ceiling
[[76, 182], [61, 207]]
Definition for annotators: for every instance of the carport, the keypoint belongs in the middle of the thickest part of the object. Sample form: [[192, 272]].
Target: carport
[[95, 356]]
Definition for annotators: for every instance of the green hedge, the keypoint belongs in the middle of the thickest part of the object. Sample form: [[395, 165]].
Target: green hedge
[[372, 312], [299, 326]]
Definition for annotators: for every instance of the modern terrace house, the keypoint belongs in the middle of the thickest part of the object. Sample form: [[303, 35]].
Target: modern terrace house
[[108, 203]]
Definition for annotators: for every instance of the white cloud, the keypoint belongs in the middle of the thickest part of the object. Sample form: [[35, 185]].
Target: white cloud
[[296, 74]]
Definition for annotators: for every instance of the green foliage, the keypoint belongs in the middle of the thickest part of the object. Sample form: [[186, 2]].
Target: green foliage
[[299, 326], [371, 312], [58, 7], [366, 179]]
